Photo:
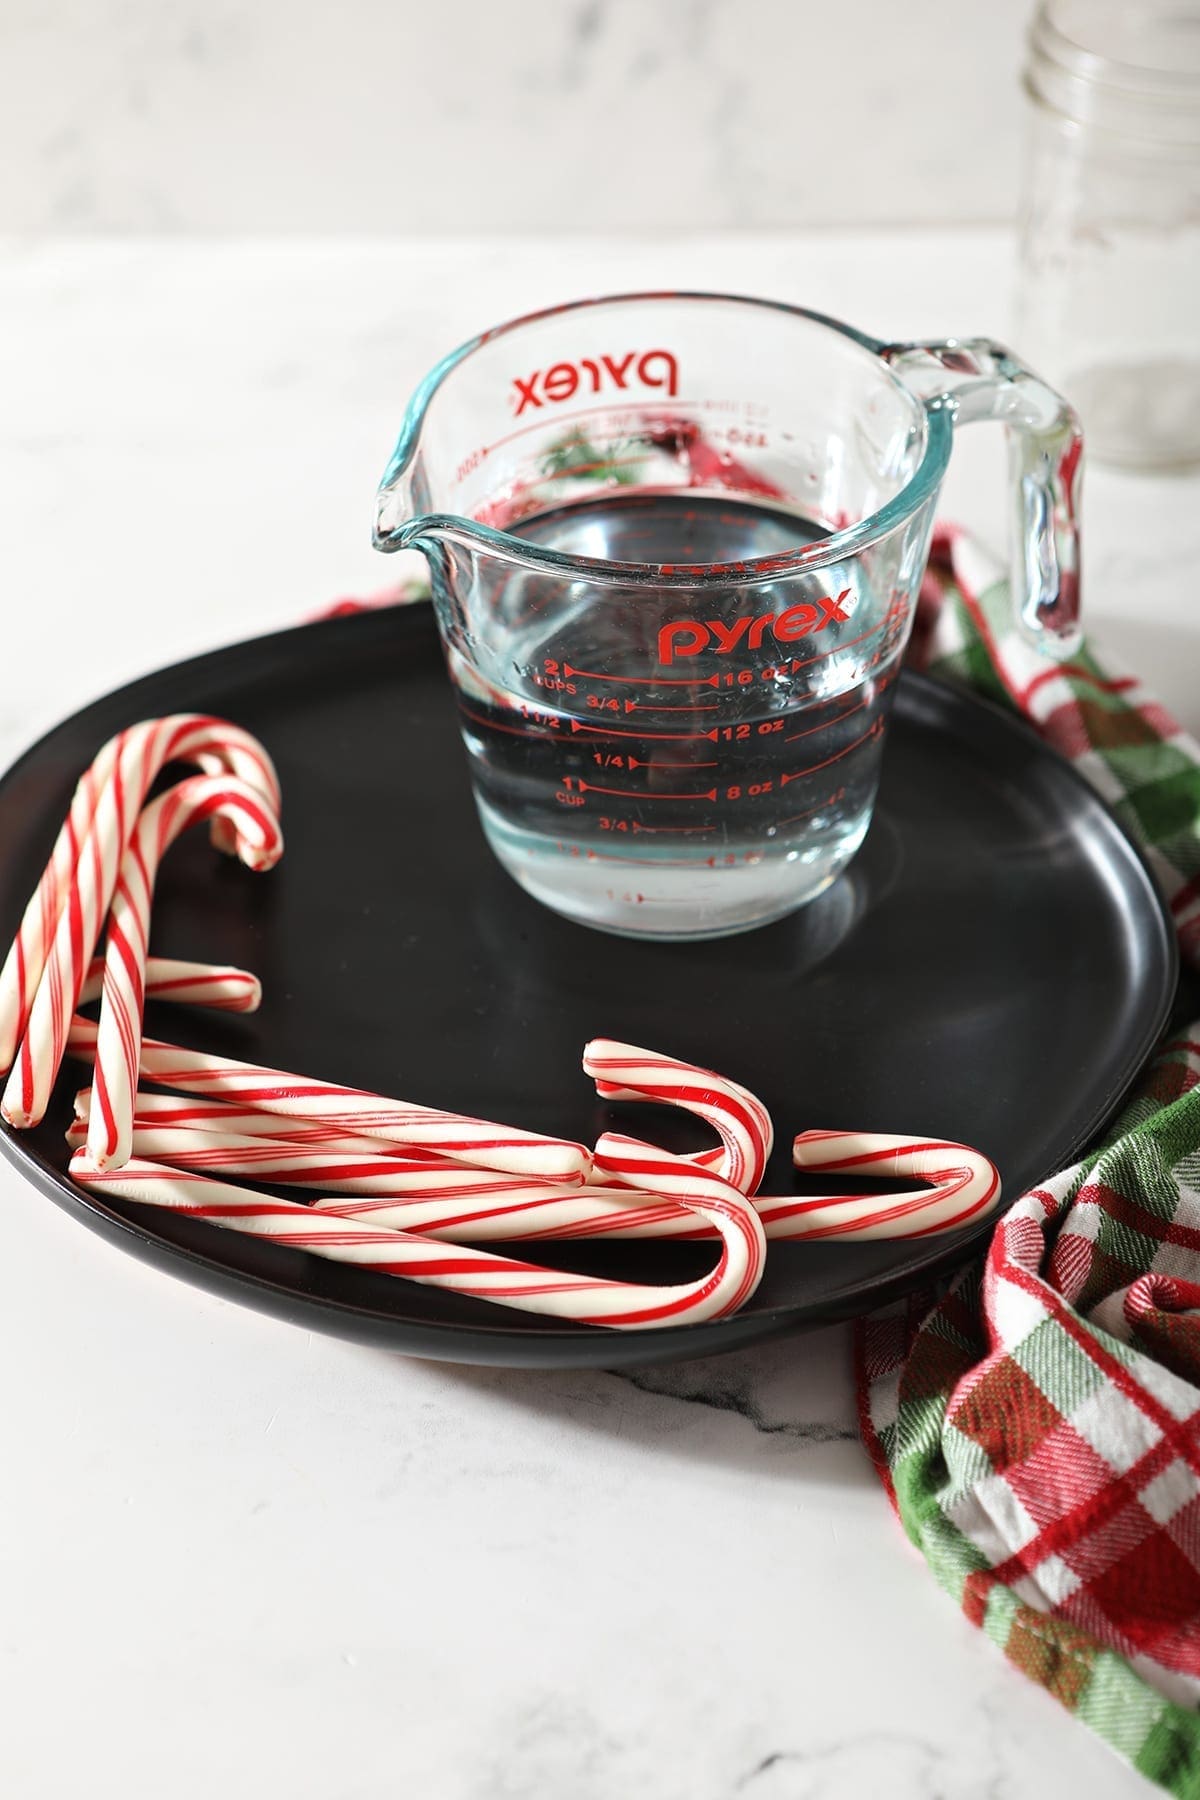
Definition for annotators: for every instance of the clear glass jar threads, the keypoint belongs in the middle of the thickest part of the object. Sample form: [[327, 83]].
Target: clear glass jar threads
[[1109, 291]]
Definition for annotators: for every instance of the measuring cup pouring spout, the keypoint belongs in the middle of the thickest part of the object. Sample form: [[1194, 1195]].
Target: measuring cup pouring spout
[[675, 545]]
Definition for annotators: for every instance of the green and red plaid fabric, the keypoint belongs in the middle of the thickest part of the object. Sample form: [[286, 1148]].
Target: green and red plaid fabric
[[1038, 1425]]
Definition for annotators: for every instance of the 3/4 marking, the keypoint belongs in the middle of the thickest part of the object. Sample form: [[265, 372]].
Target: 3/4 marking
[[652, 706]]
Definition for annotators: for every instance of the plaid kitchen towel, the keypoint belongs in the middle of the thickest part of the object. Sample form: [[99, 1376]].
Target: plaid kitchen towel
[[1038, 1425]]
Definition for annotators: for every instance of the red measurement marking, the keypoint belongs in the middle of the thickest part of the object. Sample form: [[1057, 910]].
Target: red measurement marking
[[836, 757], [849, 713], [640, 680], [829, 800], [638, 862], [657, 830], [582, 412], [836, 650], [666, 862], [649, 706], [526, 730], [589, 787], [640, 762], [674, 737]]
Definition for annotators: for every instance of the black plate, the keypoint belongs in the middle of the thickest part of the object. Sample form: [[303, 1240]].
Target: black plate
[[994, 968]]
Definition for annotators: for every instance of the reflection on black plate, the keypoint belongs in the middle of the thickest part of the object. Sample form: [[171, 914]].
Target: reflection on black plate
[[994, 968]]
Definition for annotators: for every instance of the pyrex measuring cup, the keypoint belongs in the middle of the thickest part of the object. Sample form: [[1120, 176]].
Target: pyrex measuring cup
[[675, 543]]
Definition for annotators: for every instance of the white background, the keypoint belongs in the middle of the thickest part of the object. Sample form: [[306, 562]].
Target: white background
[[392, 116]]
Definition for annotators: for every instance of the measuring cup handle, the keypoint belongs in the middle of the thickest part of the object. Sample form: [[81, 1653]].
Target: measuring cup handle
[[975, 378]]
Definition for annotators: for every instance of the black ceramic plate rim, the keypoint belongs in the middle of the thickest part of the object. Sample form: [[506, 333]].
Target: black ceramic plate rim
[[580, 1343]]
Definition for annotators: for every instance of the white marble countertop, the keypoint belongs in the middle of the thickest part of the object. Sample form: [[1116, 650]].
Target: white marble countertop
[[243, 1558]]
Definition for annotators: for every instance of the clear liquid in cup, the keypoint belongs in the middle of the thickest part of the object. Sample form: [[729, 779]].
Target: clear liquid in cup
[[691, 803]]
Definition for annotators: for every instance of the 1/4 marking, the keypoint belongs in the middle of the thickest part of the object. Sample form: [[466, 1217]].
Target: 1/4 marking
[[637, 762]]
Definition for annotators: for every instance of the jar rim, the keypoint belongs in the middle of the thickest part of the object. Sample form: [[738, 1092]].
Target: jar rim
[[1150, 109], [1051, 36]]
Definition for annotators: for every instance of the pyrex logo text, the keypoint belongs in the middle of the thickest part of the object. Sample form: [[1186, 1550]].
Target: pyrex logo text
[[563, 380], [687, 637]]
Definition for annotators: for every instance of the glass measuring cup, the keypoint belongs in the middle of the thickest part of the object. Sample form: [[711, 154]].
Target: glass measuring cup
[[675, 543]]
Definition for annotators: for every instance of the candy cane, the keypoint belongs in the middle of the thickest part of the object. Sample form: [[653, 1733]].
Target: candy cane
[[26, 958], [480, 1142], [216, 986], [621, 1071], [423, 1193], [965, 1184], [586, 1300], [625, 1072], [159, 1111], [353, 1170], [118, 1037], [634, 1164], [212, 743], [45, 972], [430, 1194], [733, 1110]]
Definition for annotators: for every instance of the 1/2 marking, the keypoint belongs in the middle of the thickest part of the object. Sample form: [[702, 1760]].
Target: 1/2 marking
[[673, 737]]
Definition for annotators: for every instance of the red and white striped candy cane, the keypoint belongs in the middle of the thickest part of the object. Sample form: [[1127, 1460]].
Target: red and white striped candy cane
[[480, 1142], [353, 1170], [422, 1192], [630, 1163], [213, 744], [159, 1111], [439, 1198], [26, 958], [965, 1186], [625, 1072], [740, 1118], [585, 1300], [43, 975], [119, 1031], [218, 987]]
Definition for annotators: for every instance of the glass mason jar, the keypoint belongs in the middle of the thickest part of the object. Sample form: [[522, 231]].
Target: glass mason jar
[[1109, 292]]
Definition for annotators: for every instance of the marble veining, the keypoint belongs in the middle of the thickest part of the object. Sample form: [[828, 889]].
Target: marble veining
[[712, 1387], [174, 116]]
